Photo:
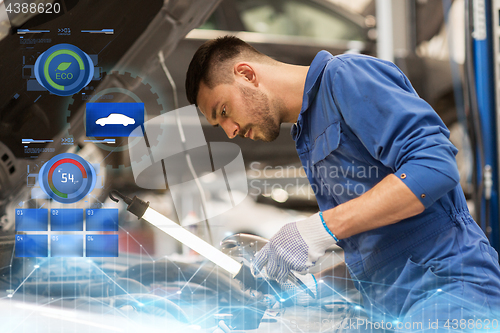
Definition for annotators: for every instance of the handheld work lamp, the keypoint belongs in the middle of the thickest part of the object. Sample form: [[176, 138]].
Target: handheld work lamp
[[142, 210]]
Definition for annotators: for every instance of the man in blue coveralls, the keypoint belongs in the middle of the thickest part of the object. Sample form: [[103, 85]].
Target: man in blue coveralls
[[410, 244]]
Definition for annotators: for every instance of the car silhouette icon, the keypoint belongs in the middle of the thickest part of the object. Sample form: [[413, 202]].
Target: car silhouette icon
[[115, 119]]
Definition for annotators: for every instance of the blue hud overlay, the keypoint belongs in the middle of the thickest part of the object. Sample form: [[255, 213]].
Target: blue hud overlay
[[113, 119], [68, 233]]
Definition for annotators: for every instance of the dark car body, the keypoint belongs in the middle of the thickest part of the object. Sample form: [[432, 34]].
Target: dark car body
[[286, 31]]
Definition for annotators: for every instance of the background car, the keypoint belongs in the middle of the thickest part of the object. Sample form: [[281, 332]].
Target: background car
[[294, 31]]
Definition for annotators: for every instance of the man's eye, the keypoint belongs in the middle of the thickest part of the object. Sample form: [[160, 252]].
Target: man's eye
[[223, 113]]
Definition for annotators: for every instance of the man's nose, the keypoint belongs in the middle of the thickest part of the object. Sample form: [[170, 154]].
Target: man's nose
[[231, 128]]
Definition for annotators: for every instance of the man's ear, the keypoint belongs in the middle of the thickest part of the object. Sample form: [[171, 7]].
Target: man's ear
[[246, 72]]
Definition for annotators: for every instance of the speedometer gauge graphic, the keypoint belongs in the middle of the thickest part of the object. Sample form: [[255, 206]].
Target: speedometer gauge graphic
[[67, 178]]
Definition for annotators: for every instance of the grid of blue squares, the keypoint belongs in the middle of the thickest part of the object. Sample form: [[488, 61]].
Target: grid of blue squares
[[66, 244]]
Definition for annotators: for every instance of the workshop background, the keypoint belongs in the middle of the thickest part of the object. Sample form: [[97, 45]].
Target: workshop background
[[140, 52]]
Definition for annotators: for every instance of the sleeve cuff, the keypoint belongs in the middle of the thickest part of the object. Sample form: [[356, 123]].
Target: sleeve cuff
[[427, 184]]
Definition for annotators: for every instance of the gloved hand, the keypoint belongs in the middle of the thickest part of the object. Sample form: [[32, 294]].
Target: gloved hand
[[296, 246]]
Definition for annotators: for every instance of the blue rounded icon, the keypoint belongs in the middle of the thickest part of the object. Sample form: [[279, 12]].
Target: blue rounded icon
[[67, 178], [64, 69]]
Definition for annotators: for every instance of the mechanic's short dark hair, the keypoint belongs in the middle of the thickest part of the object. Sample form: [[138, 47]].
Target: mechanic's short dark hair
[[208, 62]]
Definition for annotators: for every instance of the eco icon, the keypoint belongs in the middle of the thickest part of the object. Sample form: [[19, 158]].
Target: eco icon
[[64, 69]]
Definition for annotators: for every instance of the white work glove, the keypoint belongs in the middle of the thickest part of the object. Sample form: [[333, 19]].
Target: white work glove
[[296, 246]]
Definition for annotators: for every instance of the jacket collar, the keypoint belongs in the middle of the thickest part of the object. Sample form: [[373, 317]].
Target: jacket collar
[[311, 87]]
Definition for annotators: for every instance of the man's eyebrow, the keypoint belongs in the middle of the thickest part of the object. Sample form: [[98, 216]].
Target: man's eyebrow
[[214, 110]]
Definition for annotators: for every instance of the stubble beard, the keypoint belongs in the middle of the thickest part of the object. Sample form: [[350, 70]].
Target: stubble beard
[[257, 104]]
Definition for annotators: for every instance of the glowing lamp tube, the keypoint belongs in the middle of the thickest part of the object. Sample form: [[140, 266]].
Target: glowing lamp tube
[[141, 209], [192, 241]]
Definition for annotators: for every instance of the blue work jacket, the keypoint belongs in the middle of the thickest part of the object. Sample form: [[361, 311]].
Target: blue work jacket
[[360, 121]]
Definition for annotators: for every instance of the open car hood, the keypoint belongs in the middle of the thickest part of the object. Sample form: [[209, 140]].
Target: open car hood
[[142, 29], [143, 34]]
